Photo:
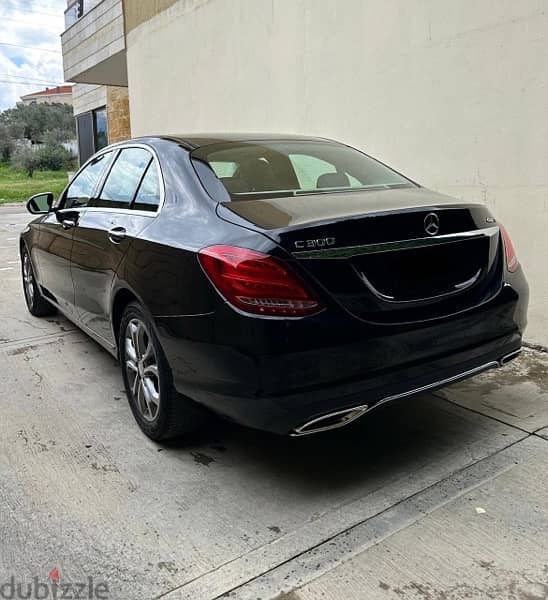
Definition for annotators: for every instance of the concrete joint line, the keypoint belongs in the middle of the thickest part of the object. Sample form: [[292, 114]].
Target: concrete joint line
[[36, 340], [317, 561], [481, 414], [537, 347], [251, 578]]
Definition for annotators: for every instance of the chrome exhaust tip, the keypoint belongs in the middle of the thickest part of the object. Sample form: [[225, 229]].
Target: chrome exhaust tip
[[343, 417], [332, 420], [508, 357]]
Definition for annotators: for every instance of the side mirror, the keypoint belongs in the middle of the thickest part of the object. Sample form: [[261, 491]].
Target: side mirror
[[40, 204]]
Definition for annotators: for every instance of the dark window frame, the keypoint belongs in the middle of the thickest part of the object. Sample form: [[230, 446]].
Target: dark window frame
[[116, 149], [130, 207], [94, 122], [100, 179]]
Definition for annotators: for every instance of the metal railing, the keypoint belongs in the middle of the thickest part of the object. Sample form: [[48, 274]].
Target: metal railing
[[77, 10], [74, 12]]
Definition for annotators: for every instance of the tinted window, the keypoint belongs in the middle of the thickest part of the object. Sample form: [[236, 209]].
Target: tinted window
[[80, 191], [224, 168], [100, 128], [312, 171], [86, 146], [148, 194], [270, 169], [124, 178]]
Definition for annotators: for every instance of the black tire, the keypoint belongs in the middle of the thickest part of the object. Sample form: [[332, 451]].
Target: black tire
[[160, 411], [36, 303]]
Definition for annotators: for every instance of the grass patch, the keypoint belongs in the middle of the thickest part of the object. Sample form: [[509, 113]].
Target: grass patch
[[15, 186]]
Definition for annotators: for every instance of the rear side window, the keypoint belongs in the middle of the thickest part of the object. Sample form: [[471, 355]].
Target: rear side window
[[148, 194], [80, 191], [124, 178]]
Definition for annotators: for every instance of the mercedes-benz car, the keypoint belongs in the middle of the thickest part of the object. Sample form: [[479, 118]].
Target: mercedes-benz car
[[288, 283]]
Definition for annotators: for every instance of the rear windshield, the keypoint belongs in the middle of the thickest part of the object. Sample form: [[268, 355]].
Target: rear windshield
[[272, 169]]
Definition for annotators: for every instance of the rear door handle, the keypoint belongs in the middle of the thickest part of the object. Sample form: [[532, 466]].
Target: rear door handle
[[117, 234]]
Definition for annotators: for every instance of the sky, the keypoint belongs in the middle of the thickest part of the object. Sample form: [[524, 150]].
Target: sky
[[36, 25]]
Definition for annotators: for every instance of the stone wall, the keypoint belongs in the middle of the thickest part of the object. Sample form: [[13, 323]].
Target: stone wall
[[88, 97], [119, 127]]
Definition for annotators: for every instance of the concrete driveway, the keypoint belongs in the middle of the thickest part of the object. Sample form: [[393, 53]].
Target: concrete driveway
[[437, 498]]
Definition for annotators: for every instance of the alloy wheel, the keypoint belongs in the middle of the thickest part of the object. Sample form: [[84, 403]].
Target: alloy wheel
[[28, 279], [141, 364]]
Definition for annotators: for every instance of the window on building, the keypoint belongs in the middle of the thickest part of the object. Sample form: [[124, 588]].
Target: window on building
[[84, 128], [74, 11], [100, 128], [124, 178], [92, 131], [80, 191]]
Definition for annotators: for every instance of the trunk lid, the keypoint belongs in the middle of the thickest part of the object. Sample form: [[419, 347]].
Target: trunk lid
[[387, 256]]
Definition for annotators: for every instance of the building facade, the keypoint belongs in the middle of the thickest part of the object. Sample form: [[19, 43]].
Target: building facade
[[451, 93], [94, 58], [62, 94]]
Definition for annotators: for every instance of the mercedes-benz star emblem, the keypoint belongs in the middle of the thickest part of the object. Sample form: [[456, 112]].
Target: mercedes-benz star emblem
[[431, 224]]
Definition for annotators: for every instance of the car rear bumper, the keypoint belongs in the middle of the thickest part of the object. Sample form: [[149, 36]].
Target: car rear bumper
[[280, 375]]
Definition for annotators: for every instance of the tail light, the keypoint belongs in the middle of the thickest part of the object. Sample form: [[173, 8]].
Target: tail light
[[512, 262], [257, 283]]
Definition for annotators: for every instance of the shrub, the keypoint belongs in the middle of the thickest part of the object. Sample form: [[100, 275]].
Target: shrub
[[46, 158], [53, 157], [6, 144], [25, 159]]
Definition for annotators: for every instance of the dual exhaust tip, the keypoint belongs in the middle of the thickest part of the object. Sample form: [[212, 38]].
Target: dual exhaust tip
[[340, 418]]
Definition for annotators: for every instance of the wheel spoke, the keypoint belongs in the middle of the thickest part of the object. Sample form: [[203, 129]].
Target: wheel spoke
[[134, 332], [134, 384], [141, 400], [150, 398], [151, 371], [130, 351], [149, 352], [150, 387], [141, 347]]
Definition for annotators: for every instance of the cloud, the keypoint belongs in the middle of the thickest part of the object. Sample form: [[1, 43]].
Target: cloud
[[37, 24]]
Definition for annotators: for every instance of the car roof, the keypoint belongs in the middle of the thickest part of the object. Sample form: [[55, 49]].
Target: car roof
[[197, 140]]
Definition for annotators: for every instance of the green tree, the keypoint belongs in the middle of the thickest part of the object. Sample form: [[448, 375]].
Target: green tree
[[6, 144], [36, 121]]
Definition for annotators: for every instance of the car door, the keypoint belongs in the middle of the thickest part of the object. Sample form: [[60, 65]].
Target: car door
[[129, 198], [52, 252]]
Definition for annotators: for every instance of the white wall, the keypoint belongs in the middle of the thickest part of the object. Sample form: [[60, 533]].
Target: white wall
[[454, 94]]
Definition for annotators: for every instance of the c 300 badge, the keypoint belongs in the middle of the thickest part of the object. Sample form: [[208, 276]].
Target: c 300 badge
[[318, 243]]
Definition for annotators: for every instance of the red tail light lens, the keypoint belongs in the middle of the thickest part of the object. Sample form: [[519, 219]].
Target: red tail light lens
[[257, 283], [512, 262]]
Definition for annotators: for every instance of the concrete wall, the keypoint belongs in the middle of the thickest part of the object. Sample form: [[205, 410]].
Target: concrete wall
[[88, 97], [137, 11], [452, 93], [94, 46]]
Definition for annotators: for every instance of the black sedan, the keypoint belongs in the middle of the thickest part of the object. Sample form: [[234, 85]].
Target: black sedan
[[288, 283]]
